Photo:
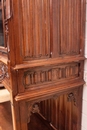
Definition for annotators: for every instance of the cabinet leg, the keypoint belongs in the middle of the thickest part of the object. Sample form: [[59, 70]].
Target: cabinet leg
[[19, 116], [15, 116], [23, 115]]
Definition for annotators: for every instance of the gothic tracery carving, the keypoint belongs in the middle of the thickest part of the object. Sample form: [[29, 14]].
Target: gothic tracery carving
[[3, 71]]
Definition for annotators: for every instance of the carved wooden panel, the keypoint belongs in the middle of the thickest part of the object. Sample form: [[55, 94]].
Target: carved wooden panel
[[49, 28], [35, 28], [50, 74], [66, 27]]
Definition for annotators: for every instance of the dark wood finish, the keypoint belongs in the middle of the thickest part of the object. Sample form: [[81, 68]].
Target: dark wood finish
[[42, 62]]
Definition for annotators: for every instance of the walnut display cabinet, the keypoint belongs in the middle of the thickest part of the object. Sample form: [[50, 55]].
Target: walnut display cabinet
[[41, 62]]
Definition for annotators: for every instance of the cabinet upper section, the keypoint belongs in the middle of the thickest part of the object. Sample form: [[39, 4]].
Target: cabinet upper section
[[50, 28], [43, 29]]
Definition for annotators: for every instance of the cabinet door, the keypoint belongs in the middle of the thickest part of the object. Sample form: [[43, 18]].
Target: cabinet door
[[67, 27], [51, 28], [46, 29], [35, 28]]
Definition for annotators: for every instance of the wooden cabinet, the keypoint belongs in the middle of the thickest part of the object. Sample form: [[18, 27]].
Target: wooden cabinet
[[42, 62]]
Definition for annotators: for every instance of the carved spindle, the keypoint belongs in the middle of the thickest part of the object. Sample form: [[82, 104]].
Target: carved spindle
[[63, 72], [35, 78], [32, 78], [42, 76], [60, 73], [54, 74], [27, 80], [50, 75], [71, 71], [46, 73], [76, 70], [38, 75], [67, 71]]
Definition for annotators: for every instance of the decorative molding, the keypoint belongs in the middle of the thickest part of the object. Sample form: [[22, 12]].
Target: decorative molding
[[50, 74], [3, 71]]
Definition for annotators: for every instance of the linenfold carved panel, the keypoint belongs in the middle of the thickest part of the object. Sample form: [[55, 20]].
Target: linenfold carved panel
[[43, 32], [35, 32], [66, 27], [50, 74]]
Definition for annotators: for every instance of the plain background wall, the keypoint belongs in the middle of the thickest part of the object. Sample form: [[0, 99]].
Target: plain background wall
[[84, 106]]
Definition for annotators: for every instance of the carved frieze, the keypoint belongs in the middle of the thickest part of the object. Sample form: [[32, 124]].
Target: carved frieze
[[50, 74]]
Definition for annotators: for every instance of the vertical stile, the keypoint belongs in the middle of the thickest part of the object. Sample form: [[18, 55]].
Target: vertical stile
[[35, 77]]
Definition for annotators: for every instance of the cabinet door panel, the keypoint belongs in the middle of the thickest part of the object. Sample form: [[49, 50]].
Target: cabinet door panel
[[66, 27], [35, 28]]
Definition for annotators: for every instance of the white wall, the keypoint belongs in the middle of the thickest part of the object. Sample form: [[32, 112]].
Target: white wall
[[84, 106]]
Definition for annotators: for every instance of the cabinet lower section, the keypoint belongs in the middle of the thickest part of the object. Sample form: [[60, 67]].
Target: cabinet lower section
[[62, 112]]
